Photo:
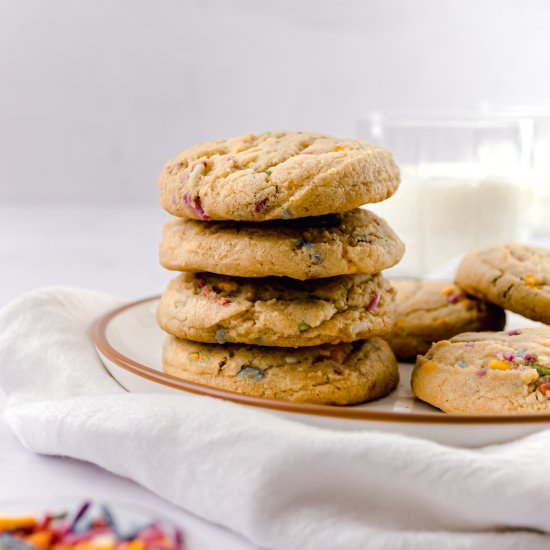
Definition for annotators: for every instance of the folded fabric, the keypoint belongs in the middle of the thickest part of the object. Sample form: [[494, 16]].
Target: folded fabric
[[283, 484]]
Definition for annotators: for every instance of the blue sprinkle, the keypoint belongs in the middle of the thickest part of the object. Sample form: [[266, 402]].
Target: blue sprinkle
[[316, 257], [461, 363], [287, 214], [9, 542], [305, 244], [220, 336], [520, 352], [251, 372]]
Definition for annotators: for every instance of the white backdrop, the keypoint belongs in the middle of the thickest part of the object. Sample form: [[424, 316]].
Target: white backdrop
[[96, 95]]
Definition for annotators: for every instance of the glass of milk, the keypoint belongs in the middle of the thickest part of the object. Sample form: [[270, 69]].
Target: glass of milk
[[540, 167], [464, 184]]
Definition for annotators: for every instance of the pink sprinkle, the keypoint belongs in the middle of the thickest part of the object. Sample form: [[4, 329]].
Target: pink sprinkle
[[374, 302], [529, 357], [508, 356], [260, 205], [198, 209], [202, 282], [455, 297], [228, 158], [470, 344], [306, 152], [481, 372], [184, 177], [174, 200], [515, 332]]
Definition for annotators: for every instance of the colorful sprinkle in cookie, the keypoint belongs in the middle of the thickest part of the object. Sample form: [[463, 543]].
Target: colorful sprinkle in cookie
[[276, 311], [310, 248], [344, 374], [487, 372], [429, 311], [513, 276], [276, 175]]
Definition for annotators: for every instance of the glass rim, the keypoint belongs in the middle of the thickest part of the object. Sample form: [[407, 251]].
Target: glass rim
[[445, 119]]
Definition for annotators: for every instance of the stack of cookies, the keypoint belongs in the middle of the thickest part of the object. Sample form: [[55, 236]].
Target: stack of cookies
[[280, 293]]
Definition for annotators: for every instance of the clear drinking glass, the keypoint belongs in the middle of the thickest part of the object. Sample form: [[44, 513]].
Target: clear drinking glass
[[464, 183], [540, 161]]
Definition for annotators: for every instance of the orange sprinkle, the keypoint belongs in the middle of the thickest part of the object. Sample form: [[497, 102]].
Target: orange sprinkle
[[227, 286], [338, 148], [13, 523], [530, 280], [40, 539], [499, 365], [447, 291], [430, 366]]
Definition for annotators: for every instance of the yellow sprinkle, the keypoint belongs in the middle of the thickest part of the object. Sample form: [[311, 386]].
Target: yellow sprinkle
[[338, 148], [12, 523], [447, 291], [499, 365], [530, 280], [135, 544], [430, 366], [227, 286]]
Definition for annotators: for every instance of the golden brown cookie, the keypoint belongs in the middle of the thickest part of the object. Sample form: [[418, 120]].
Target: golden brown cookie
[[513, 276], [276, 175], [310, 248], [276, 311], [334, 375], [487, 372], [429, 311]]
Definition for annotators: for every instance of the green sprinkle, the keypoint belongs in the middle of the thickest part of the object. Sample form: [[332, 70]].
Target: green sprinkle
[[303, 327], [267, 172], [220, 336], [543, 371], [260, 340], [493, 281], [180, 303]]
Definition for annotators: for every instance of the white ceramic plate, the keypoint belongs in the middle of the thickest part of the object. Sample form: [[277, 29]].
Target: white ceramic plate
[[129, 343]]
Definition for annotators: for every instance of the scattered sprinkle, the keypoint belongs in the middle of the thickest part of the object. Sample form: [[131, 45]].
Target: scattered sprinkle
[[338, 148], [227, 286], [543, 388], [461, 363], [508, 356], [260, 205], [251, 372], [316, 258], [260, 340], [529, 357], [430, 366], [220, 336], [86, 530], [448, 290], [520, 352], [198, 356], [373, 302], [301, 243], [470, 344], [530, 280], [201, 282], [303, 327], [184, 177], [515, 332], [496, 364], [455, 297], [481, 372], [267, 172], [543, 371], [179, 303], [287, 214]]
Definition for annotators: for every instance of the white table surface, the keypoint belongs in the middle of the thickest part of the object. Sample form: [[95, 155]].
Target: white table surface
[[106, 248]]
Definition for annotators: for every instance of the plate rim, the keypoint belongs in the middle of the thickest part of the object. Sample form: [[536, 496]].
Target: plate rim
[[105, 348]]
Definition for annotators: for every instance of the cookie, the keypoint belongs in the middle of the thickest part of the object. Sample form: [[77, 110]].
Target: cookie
[[310, 248], [487, 372], [429, 311], [513, 276], [276, 175], [276, 311], [333, 375]]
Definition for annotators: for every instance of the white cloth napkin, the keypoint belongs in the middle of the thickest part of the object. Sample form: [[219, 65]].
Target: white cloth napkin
[[282, 484]]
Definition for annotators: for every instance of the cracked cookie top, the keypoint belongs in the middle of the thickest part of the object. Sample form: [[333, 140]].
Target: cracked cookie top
[[514, 276], [276, 175], [487, 372], [309, 248], [428, 311], [276, 311]]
